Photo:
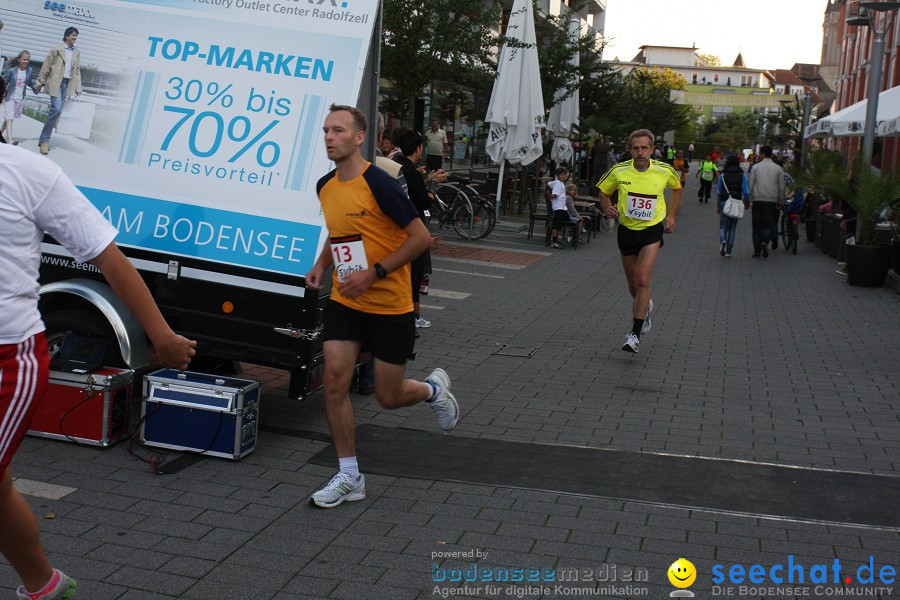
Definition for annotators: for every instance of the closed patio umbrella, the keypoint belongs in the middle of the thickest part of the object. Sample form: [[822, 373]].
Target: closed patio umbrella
[[564, 114], [516, 111]]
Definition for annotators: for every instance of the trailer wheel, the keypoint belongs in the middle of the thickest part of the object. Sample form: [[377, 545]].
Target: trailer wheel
[[61, 322]]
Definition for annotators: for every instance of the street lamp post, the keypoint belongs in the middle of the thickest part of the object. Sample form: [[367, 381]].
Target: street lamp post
[[876, 59], [804, 123]]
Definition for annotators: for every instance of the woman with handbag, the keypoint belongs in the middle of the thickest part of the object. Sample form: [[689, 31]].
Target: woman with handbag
[[734, 197]]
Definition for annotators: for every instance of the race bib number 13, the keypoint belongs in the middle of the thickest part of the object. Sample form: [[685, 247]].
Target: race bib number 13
[[349, 255], [641, 206]]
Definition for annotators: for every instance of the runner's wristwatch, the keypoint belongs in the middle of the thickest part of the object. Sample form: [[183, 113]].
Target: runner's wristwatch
[[379, 271]]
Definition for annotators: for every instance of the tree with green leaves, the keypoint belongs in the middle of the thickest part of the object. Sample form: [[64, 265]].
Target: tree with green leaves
[[711, 60], [556, 51], [733, 131], [618, 103], [426, 40]]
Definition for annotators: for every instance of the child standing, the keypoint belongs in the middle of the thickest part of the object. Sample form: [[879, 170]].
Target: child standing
[[558, 204], [15, 81]]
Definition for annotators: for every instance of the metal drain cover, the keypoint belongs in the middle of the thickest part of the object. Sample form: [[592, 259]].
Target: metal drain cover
[[523, 351]]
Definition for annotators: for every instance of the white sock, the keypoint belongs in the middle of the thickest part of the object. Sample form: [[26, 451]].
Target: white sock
[[349, 466]]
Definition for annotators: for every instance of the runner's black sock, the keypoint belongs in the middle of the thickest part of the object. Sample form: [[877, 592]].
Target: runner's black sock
[[636, 328]]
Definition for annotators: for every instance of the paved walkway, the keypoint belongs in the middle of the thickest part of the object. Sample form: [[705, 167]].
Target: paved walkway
[[769, 361]]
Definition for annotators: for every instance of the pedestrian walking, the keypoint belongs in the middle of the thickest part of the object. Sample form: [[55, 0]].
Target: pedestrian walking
[[766, 192], [375, 233], [36, 197], [732, 184], [15, 81], [61, 75], [643, 217]]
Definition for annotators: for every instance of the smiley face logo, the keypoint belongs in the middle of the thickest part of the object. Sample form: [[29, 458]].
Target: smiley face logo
[[682, 573]]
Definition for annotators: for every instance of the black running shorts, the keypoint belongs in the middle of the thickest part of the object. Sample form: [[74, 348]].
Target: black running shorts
[[390, 338], [560, 218], [632, 240]]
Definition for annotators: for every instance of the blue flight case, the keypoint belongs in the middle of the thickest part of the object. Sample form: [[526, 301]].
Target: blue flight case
[[209, 414]]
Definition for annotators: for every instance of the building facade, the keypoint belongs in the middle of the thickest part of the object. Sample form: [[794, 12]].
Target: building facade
[[855, 69], [715, 90]]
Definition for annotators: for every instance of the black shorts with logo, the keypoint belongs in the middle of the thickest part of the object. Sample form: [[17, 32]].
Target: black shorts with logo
[[390, 338], [632, 240]]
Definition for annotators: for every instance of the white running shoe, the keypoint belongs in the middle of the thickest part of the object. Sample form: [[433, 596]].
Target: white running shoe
[[340, 489], [444, 405], [631, 343], [646, 326], [422, 323], [63, 590]]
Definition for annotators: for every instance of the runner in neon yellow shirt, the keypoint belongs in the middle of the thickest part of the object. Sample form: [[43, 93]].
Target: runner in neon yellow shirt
[[643, 217], [708, 173]]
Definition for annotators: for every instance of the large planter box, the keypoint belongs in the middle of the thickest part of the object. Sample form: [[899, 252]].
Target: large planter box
[[867, 266], [831, 235]]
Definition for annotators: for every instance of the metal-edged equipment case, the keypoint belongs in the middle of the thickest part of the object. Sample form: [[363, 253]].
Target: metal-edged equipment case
[[197, 412], [87, 408]]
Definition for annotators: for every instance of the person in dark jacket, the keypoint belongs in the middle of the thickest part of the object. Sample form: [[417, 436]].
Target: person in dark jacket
[[732, 183], [412, 145]]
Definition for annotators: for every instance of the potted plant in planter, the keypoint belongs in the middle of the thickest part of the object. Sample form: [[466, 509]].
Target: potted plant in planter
[[869, 194], [820, 162]]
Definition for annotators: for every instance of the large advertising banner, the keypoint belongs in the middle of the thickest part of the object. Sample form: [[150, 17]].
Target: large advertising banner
[[198, 131]]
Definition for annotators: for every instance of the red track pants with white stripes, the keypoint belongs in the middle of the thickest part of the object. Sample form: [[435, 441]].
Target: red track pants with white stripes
[[24, 369]]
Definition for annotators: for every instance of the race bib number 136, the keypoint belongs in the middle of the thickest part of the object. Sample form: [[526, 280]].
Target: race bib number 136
[[349, 255], [641, 206]]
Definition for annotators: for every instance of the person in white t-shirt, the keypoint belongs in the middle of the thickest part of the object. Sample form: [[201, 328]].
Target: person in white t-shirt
[[37, 197], [436, 143], [15, 81], [558, 204]]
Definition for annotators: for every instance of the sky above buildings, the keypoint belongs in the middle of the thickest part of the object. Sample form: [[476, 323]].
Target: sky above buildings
[[771, 34]]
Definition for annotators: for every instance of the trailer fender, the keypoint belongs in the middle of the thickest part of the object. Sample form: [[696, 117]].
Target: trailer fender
[[129, 333]]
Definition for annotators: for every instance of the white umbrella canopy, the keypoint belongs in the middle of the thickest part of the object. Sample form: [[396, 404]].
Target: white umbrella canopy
[[516, 110], [851, 120], [564, 114]]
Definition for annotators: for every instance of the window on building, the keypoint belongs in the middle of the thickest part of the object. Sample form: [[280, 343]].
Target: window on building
[[716, 78], [721, 111], [746, 80], [693, 78]]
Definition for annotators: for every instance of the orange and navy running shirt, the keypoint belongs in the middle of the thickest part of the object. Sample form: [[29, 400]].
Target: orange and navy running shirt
[[371, 209]]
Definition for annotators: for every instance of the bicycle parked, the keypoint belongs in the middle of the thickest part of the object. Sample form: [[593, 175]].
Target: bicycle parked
[[790, 216], [459, 206]]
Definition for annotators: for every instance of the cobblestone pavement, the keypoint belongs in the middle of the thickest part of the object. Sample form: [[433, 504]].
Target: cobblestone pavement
[[771, 361]]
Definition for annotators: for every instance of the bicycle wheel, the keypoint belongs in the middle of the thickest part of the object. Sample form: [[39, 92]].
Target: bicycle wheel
[[442, 205], [785, 231], [795, 235], [471, 221], [484, 219]]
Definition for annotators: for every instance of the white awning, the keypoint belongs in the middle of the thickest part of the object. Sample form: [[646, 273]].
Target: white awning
[[851, 121]]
